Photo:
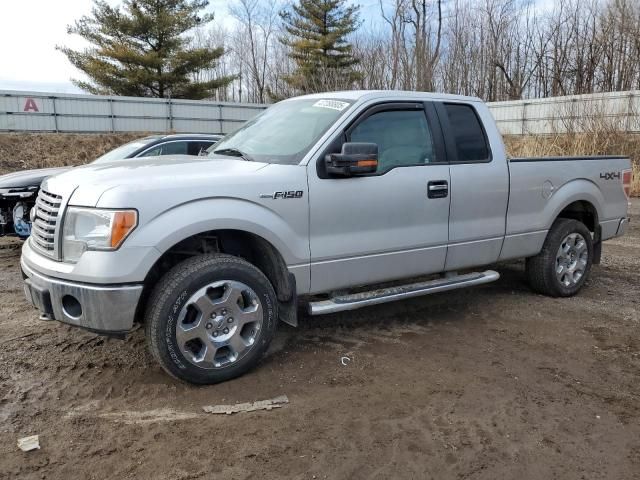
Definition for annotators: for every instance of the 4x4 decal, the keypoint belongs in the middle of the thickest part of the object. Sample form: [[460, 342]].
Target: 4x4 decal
[[610, 175]]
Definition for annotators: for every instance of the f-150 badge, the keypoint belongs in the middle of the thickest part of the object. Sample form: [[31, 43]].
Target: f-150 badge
[[277, 195]]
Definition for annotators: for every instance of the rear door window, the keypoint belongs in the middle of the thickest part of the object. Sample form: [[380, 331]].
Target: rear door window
[[470, 140], [174, 148]]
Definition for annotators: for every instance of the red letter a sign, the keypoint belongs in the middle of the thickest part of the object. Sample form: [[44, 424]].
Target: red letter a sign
[[30, 105]]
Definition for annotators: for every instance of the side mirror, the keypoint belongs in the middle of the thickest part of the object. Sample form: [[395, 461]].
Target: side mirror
[[355, 159]]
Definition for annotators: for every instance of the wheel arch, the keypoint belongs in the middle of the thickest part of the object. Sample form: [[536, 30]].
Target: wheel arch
[[240, 243], [579, 199], [582, 210], [583, 206]]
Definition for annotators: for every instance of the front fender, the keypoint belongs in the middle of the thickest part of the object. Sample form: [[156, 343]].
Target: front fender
[[171, 226]]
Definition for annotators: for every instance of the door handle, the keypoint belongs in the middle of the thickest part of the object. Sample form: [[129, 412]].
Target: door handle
[[437, 189]]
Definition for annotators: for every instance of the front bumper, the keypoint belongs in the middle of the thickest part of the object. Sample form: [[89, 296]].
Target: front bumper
[[107, 309]]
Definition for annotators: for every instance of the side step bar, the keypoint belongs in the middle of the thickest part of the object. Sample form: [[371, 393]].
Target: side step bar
[[384, 295]]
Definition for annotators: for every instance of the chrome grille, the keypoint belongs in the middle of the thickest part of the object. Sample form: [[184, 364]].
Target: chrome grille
[[43, 228]]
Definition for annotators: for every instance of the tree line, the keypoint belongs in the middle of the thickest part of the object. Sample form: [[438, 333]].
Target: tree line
[[493, 49]]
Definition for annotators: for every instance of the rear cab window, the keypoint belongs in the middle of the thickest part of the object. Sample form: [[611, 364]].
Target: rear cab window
[[468, 134]]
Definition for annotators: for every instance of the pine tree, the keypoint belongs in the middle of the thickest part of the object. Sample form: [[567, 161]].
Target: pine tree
[[143, 50], [318, 31]]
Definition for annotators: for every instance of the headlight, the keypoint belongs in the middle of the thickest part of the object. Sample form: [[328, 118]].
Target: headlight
[[95, 229]]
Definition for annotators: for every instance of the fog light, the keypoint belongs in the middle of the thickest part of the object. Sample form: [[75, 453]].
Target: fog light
[[71, 306]]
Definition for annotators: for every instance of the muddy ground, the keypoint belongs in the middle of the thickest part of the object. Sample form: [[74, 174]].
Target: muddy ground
[[489, 383]]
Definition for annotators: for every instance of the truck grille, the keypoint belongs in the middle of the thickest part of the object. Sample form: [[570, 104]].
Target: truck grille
[[43, 229]]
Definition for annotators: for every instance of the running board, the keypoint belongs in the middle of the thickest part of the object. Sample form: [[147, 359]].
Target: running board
[[384, 295]]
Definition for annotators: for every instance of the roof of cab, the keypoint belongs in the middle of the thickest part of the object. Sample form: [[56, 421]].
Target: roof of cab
[[391, 94]]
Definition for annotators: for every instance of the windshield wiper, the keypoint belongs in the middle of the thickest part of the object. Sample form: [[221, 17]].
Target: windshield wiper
[[234, 152]]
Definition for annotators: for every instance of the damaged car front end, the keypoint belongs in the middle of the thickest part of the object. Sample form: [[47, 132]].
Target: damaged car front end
[[18, 193]]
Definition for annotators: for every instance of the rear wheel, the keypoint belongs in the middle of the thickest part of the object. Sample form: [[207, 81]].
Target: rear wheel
[[211, 318], [563, 265]]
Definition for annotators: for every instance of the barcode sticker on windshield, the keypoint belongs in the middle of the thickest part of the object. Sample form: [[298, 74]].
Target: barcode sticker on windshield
[[332, 104]]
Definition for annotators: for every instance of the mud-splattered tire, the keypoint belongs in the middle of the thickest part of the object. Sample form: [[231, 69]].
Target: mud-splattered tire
[[563, 265], [211, 318]]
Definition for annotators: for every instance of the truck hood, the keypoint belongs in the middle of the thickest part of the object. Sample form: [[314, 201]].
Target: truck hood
[[151, 174], [28, 178]]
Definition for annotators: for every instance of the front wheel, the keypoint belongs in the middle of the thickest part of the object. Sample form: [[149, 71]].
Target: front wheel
[[211, 318], [563, 265]]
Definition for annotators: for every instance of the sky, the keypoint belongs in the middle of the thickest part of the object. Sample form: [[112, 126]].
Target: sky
[[29, 33], [31, 29]]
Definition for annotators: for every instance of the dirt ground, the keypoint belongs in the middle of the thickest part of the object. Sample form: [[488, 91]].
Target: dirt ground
[[489, 383]]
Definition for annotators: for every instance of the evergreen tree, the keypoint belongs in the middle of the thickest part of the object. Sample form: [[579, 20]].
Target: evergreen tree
[[318, 31], [143, 50]]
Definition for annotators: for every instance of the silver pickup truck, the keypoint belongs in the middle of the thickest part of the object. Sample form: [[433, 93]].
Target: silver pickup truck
[[322, 198]]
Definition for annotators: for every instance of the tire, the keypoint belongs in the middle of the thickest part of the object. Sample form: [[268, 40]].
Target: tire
[[562, 273], [211, 318]]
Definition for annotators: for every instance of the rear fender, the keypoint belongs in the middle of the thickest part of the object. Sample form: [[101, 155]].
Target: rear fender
[[573, 191]]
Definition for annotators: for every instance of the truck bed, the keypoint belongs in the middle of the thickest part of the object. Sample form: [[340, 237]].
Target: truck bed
[[541, 187]]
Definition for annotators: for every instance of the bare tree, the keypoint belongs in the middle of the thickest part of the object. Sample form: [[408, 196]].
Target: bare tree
[[494, 49], [253, 40], [215, 35]]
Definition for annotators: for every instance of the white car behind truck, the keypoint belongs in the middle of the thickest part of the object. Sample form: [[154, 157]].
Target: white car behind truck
[[316, 197]]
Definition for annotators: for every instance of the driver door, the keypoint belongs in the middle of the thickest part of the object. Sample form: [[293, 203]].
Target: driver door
[[388, 225]]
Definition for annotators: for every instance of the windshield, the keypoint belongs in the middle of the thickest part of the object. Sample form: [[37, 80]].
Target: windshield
[[283, 133], [123, 151]]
